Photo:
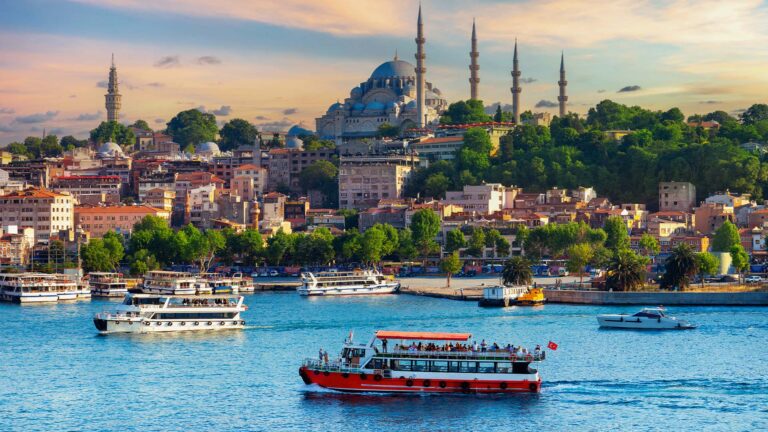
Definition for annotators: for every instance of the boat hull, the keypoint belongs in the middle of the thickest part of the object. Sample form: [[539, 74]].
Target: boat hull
[[641, 323], [362, 382], [140, 325], [169, 291], [109, 293], [390, 288]]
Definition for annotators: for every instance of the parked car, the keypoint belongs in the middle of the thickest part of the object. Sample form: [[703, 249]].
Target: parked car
[[273, 273], [753, 279]]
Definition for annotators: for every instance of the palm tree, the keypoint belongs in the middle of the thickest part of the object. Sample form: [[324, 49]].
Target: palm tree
[[626, 271], [680, 267], [517, 271]]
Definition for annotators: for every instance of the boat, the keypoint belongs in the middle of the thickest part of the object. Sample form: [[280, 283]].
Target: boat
[[103, 284], [150, 313], [534, 296], [422, 363], [647, 319], [245, 284], [216, 283], [169, 283], [355, 282], [501, 296], [37, 288]]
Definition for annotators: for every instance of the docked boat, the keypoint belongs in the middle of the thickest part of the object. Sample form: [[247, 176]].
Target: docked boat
[[534, 297], [148, 313], [356, 282], [424, 362], [216, 283], [104, 284], [169, 283], [646, 319], [37, 288], [501, 296], [245, 283]]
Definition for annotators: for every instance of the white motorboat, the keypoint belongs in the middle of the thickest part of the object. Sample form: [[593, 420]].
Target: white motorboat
[[646, 319], [37, 288], [356, 282]]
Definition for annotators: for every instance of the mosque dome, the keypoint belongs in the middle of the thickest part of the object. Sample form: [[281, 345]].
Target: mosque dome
[[356, 93], [374, 106], [411, 105], [359, 106], [335, 107], [391, 105], [293, 142], [110, 149], [437, 91], [394, 68], [297, 130], [208, 147]]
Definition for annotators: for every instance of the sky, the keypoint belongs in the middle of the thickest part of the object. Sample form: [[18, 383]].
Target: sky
[[278, 63]]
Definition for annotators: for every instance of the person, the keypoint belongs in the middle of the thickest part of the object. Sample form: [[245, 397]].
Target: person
[[474, 346], [320, 354], [483, 346], [537, 351], [384, 345], [325, 357]]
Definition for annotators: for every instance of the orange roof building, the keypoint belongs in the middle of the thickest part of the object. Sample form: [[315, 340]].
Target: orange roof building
[[45, 211]]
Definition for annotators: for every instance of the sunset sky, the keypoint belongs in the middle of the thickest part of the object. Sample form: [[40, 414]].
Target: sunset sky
[[278, 63]]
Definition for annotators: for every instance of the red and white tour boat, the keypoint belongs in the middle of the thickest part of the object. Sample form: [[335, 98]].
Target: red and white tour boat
[[425, 362]]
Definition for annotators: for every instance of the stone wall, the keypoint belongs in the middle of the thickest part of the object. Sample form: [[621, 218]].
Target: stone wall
[[657, 298]]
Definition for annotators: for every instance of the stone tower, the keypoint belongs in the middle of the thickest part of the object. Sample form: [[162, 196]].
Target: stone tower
[[562, 83], [474, 78], [113, 96], [516, 87], [420, 71]]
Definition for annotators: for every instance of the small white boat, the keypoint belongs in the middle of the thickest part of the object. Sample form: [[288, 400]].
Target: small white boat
[[356, 282], [646, 319]]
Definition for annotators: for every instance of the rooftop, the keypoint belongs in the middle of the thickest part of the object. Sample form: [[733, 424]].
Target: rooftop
[[143, 208]]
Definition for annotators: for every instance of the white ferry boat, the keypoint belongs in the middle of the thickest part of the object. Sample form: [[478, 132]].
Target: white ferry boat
[[425, 362], [147, 313], [104, 284], [37, 288], [501, 295], [356, 282], [169, 283], [244, 283], [216, 283], [646, 319]]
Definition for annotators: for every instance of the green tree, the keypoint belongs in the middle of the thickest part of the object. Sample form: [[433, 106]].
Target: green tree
[[113, 131], [34, 147], [726, 237], [680, 266], [436, 185], [707, 264], [95, 257], [69, 142], [499, 116], [113, 243], [450, 265], [277, 247], [142, 261], [406, 250], [463, 112], [649, 245], [502, 247], [755, 114], [18, 148], [141, 124], [425, 224], [617, 235], [626, 271], [321, 176], [454, 240], [372, 245], [517, 271], [579, 255], [387, 130], [476, 244], [348, 245], [237, 132], [739, 260], [49, 146], [192, 127]]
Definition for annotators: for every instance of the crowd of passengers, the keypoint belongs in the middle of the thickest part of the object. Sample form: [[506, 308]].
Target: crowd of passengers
[[482, 347], [205, 302]]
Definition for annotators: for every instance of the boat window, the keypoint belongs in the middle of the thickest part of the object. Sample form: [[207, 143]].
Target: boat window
[[421, 365], [358, 352], [485, 367], [453, 366], [376, 364], [465, 367], [438, 366], [401, 365], [503, 367]]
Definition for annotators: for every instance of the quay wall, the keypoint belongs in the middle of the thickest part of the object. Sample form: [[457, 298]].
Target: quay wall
[[657, 298]]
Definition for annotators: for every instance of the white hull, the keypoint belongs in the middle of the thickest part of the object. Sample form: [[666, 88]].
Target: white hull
[[641, 323], [109, 292], [388, 288], [169, 291], [141, 325], [31, 298]]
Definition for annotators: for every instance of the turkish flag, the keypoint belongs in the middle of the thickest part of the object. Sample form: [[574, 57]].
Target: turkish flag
[[551, 345]]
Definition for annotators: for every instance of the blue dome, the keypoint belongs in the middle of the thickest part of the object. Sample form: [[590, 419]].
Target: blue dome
[[374, 106], [359, 106], [297, 130], [335, 107], [394, 68]]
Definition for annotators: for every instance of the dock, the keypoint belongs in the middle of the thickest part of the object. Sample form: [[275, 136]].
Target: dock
[[467, 294]]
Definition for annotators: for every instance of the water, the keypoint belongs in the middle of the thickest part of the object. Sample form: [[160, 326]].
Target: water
[[57, 374]]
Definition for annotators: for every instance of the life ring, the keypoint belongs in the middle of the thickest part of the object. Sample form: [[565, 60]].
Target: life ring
[[169, 324], [377, 377], [442, 384], [222, 323], [242, 322], [503, 385], [197, 323], [210, 323], [465, 386], [345, 375], [427, 383], [326, 373], [534, 387], [528, 357], [146, 323], [317, 372], [363, 376], [409, 382], [182, 323]]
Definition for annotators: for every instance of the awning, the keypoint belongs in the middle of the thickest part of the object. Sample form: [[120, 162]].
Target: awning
[[387, 334]]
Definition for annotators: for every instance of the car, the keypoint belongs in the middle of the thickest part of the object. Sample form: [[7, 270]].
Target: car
[[753, 279], [254, 275], [273, 273]]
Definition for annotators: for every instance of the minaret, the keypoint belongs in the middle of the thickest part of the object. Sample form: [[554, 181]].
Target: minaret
[[112, 97], [474, 79], [562, 83], [420, 71], [516, 87]]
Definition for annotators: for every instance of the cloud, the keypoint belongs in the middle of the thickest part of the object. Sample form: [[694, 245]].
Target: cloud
[[711, 102], [546, 104], [155, 84], [7, 111], [102, 84], [225, 110], [202, 109], [275, 126], [55, 131], [629, 89], [601, 91], [159, 121], [261, 117], [290, 111], [7, 128], [168, 62], [491, 109], [208, 60], [528, 80], [37, 117], [72, 96], [88, 116]]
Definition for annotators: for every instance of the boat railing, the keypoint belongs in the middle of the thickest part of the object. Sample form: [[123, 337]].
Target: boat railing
[[330, 366], [464, 355]]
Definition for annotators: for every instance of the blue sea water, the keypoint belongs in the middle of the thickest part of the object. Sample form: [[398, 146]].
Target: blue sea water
[[58, 374]]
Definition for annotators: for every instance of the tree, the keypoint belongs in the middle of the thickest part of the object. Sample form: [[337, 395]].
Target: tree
[[192, 127], [626, 272], [141, 124], [425, 224], [502, 247], [113, 243], [69, 142], [18, 148], [406, 249], [517, 271], [113, 131], [726, 237], [142, 261], [681, 265], [463, 112], [499, 116], [372, 245], [386, 130], [739, 260], [454, 240], [95, 257], [322, 176], [277, 247], [237, 132], [649, 245], [450, 265], [579, 255], [707, 265], [755, 114], [476, 244], [617, 235], [436, 185], [49, 146]]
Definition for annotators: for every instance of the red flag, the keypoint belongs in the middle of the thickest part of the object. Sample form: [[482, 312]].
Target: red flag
[[551, 345]]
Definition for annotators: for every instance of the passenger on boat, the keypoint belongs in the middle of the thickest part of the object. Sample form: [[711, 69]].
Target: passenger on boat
[[537, 351], [483, 346], [320, 355], [384, 345]]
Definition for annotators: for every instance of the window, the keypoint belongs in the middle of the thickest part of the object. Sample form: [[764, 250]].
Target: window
[[467, 367]]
